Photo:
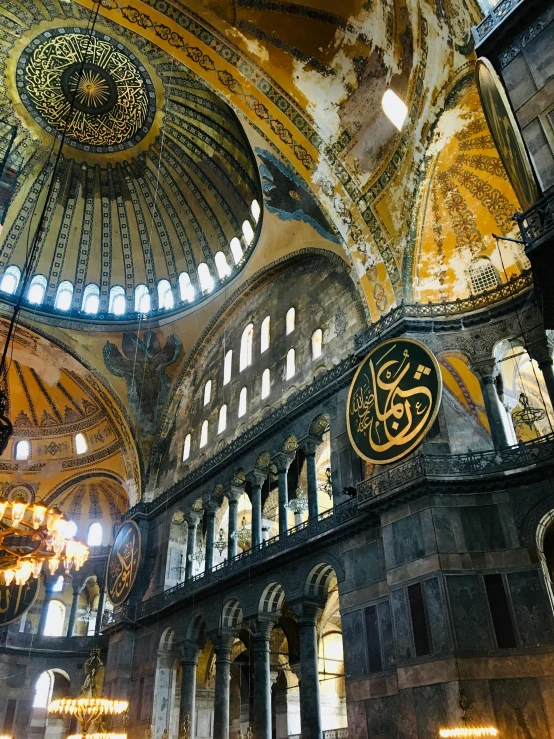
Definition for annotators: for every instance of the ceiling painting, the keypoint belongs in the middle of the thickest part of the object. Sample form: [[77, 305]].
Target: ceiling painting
[[464, 386]]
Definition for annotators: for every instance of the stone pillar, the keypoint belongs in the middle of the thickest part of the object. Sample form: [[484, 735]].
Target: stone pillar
[[257, 479], [486, 372], [283, 462], [49, 583], [100, 610], [310, 448], [223, 642], [189, 663], [163, 688], [211, 509], [74, 606], [310, 703], [233, 494], [192, 519], [261, 631]]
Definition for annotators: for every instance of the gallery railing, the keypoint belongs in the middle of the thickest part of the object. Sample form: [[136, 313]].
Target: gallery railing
[[329, 734], [538, 222], [27, 642], [422, 467], [494, 18]]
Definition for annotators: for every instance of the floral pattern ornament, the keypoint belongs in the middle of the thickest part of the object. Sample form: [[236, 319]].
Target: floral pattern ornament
[[142, 363]]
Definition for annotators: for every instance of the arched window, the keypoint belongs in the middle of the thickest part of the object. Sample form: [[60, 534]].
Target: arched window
[[246, 347], [290, 320], [227, 367], [236, 249], [186, 448], [70, 529], [242, 402], [91, 299], [55, 617], [185, 287], [94, 538], [37, 289], [264, 339], [205, 278], [483, 275], [395, 110], [207, 392], [58, 585], [43, 689], [165, 295], [22, 450], [255, 210], [142, 299], [117, 304], [290, 364], [10, 280], [221, 426], [204, 434], [64, 295], [317, 343], [247, 232], [81, 445], [266, 383], [223, 269]]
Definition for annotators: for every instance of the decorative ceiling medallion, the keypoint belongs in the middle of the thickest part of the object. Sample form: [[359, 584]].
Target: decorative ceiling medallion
[[114, 102], [393, 400]]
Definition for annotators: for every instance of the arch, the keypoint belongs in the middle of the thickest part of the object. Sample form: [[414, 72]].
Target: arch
[[10, 280], [81, 445], [95, 534], [272, 599], [265, 337], [227, 367], [37, 290], [320, 425], [196, 631], [291, 363], [394, 108], [166, 640], [91, 299], [317, 343], [222, 422], [248, 232], [290, 321], [207, 392], [255, 210], [318, 579], [243, 402], [165, 295], [186, 290], [223, 269], [236, 249], [266, 383], [186, 447], [64, 295], [246, 344], [204, 434], [142, 299], [22, 450], [205, 278], [44, 686], [231, 615], [483, 275], [55, 618], [117, 303]]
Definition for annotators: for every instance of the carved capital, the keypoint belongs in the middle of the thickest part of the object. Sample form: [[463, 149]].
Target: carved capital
[[223, 640], [211, 506], [307, 610], [192, 518], [283, 461], [261, 628], [309, 445], [256, 478]]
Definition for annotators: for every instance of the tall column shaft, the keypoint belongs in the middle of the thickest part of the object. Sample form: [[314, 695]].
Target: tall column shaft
[[310, 702], [191, 548], [188, 691], [494, 408], [262, 683], [100, 611], [73, 612], [221, 698], [210, 539], [283, 500], [48, 584], [313, 510], [257, 479], [232, 543]]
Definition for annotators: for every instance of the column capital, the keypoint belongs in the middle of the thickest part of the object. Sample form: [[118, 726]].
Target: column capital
[[257, 477], [283, 461], [190, 651], [223, 640], [234, 489], [486, 369], [193, 517], [211, 506], [309, 445], [261, 627], [306, 610], [540, 349]]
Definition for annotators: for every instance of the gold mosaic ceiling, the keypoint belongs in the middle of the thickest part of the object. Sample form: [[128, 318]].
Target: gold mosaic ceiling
[[157, 175]]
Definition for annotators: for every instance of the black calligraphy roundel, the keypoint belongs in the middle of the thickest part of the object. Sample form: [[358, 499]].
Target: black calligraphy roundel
[[393, 400], [123, 563], [15, 600]]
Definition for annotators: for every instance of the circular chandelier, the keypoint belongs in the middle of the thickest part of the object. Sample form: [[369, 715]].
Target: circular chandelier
[[243, 535], [31, 535], [96, 735], [327, 486], [88, 710], [299, 504], [469, 731], [527, 415], [220, 543]]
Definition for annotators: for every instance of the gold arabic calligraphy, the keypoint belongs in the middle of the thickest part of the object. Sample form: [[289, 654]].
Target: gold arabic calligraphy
[[123, 564]]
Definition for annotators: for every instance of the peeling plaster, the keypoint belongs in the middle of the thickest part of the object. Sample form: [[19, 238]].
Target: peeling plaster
[[254, 47]]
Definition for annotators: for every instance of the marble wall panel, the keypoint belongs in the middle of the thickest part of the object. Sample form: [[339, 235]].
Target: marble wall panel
[[364, 566], [482, 528], [402, 625], [531, 608], [469, 612], [408, 540], [431, 711], [354, 640], [436, 615], [518, 708]]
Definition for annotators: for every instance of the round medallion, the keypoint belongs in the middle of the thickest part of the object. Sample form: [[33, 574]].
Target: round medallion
[[15, 599], [123, 563], [393, 400], [89, 86]]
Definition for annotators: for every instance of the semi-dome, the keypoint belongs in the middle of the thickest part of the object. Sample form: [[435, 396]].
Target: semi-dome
[[156, 201]]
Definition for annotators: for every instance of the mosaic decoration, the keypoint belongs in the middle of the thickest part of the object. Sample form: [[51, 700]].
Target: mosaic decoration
[[393, 400], [286, 195], [142, 363], [113, 97], [123, 563]]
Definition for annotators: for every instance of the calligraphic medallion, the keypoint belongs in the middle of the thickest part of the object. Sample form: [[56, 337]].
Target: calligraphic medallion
[[15, 600], [123, 563], [87, 85], [393, 400]]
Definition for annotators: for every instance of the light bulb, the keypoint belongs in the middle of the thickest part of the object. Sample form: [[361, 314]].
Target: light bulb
[[53, 565], [39, 513], [18, 512], [51, 518], [23, 572], [58, 544], [81, 555], [8, 576], [37, 567], [3, 505]]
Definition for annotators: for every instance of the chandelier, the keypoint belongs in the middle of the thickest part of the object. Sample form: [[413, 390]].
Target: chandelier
[[299, 504], [101, 735], [31, 535], [198, 555], [527, 415], [327, 486], [469, 731], [243, 535], [220, 543]]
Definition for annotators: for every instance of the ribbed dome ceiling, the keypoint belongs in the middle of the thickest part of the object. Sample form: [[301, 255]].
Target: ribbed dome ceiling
[[157, 175]]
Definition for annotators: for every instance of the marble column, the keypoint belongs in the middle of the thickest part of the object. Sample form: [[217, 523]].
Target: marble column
[[192, 520], [310, 702], [233, 496], [223, 643], [163, 689], [100, 610], [310, 448], [74, 606], [257, 479], [49, 583], [261, 631], [486, 372], [189, 663], [283, 462], [211, 509]]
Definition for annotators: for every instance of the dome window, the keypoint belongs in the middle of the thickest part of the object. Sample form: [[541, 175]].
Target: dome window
[[81, 445], [242, 402], [207, 392], [118, 303], [22, 450], [291, 369], [223, 269], [142, 299], [227, 367], [255, 210], [248, 232], [94, 538], [264, 338], [290, 321], [185, 287], [205, 278], [395, 110], [165, 295], [236, 249], [37, 290], [91, 299], [221, 426], [266, 383], [64, 295], [204, 435], [317, 343], [246, 347], [483, 275], [10, 280], [186, 448]]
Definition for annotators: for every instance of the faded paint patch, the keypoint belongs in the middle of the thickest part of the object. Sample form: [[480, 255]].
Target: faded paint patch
[[254, 47]]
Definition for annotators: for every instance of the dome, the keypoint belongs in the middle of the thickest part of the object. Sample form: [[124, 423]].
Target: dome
[[156, 199]]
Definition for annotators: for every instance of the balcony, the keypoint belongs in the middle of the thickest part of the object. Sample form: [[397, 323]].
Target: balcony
[[66, 645]]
